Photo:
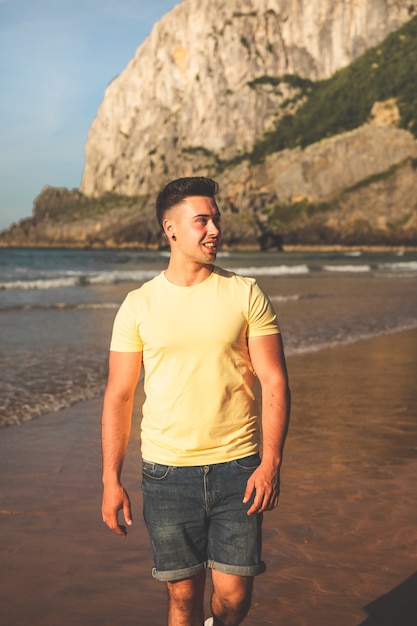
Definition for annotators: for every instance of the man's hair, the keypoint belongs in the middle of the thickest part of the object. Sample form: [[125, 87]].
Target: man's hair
[[177, 190]]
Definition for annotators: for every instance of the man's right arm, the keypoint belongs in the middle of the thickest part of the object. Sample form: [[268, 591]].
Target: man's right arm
[[124, 372]]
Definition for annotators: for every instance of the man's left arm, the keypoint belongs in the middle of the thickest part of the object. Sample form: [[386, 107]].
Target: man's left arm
[[267, 356]]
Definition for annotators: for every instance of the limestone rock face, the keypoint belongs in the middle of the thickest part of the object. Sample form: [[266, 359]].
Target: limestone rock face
[[320, 171], [191, 94], [364, 179]]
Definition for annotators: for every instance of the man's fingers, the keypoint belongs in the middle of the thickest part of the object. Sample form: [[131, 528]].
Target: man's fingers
[[257, 504], [260, 500], [263, 503], [266, 498], [250, 486], [127, 512], [120, 530], [111, 508], [113, 525]]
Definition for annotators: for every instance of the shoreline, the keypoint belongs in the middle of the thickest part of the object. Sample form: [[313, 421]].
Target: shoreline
[[342, 537], [289, 355], [225, 248]]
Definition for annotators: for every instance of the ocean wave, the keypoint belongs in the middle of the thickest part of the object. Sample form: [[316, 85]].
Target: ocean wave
[[122, 277], [317, 346], [347, 268], [407, 266], [41, 283], [79, 279], [295, 297], [62, 306], [273, 270], [292, 298], [35, 384], [82, 279], [25, 408], [68, 279], [398, 266]]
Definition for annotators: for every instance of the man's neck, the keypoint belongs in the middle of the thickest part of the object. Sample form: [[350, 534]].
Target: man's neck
[[186, 276]]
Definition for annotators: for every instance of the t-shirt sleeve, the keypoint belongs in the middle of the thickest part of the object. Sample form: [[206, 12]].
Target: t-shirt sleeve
[[125, 335], [262, 317]]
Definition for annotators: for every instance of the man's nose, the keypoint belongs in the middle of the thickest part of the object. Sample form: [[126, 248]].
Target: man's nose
[[213, 228]]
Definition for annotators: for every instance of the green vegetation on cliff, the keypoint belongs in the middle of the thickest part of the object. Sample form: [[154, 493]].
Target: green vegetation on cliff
[[344, 101], [68, 206]]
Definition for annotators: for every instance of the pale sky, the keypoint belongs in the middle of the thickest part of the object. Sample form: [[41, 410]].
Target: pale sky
[[56, 59]]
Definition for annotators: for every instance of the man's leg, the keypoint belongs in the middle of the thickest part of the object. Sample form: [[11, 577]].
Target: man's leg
[[186, 601], [231, 598]]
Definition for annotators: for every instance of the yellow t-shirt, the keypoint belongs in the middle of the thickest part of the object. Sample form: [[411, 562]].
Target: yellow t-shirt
[[200, 407]]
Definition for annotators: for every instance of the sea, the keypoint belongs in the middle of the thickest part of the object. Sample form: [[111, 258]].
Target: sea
[[57, 309]]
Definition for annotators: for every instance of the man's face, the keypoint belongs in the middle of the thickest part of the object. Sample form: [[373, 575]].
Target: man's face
[[195, 223]]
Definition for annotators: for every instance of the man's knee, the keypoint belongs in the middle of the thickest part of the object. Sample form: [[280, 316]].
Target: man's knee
[[232, 597], [237, 603], [237, 596]]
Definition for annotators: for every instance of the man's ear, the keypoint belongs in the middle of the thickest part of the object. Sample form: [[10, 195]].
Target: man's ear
[[168, 227]]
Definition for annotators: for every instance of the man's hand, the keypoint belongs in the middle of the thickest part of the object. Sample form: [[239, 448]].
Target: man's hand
[[115, 499], [265, 482]]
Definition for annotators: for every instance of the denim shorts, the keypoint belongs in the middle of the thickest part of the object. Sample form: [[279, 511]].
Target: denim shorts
[[196, 519]]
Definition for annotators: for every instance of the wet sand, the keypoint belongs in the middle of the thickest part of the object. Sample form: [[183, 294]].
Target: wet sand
[[341, 548]]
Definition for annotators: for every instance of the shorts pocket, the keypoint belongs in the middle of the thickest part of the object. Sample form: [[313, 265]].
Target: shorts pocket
[[155, 471], [248, 463]]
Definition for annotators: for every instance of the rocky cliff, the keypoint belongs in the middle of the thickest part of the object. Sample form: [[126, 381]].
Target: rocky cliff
[[188, 96], [213, 80]]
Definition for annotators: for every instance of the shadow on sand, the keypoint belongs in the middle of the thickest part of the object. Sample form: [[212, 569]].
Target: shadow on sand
[[398, 607]]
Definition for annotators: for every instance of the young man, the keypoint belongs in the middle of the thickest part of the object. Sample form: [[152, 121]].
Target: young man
[[202, 334]]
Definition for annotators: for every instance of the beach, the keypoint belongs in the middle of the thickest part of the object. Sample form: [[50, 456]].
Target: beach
[[340, 549]]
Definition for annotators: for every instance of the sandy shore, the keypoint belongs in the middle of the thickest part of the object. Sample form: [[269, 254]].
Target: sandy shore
[[341, 548]]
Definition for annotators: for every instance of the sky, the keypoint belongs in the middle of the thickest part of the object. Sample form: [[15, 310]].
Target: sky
[[56, 59]]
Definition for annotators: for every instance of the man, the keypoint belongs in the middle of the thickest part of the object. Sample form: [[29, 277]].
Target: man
[[203, 334]]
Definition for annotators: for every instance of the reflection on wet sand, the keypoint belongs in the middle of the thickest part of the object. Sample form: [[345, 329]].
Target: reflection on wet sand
[[345, 531], [341, 547]]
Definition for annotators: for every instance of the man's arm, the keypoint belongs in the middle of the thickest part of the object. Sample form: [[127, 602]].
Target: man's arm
[[124, 371], [267, 356]]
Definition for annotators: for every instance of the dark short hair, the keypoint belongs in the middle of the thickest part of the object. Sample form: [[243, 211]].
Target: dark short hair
[[177, 190]]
